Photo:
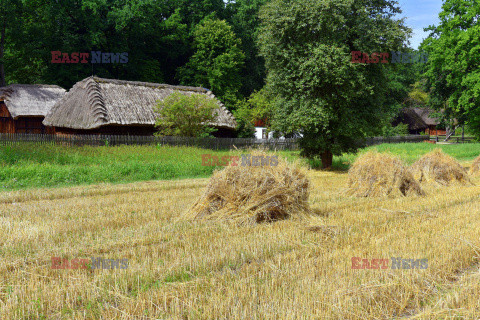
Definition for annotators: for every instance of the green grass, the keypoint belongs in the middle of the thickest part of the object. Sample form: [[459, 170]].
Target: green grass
[[408, 152], [34, 166]]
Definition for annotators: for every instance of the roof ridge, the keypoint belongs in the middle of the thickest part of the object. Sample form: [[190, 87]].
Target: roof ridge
[[149, 84], [40, 85], [95, 99]]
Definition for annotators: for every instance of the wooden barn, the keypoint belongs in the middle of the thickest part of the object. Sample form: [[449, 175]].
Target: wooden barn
[[116, 107], [419, 120], [24, 106]]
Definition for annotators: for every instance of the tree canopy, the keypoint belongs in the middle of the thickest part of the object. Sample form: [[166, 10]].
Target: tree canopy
[[453, 68], [216, 62], [307, 48]]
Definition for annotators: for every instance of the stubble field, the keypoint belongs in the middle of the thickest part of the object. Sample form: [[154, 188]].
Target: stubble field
[[210, 270]]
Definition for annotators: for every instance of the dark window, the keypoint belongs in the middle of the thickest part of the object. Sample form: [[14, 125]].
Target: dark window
[[30, 125]]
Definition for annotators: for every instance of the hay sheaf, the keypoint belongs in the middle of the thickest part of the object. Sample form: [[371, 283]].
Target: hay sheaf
[[439, 168], [252, 194], [375, 174], [475, 168]]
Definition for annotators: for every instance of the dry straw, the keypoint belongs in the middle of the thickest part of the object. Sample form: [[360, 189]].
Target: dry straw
[[377, 174], [475, 168], [253, 194], [439, 168]]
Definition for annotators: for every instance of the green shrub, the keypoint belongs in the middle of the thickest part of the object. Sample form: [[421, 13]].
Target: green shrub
[[186, 115]]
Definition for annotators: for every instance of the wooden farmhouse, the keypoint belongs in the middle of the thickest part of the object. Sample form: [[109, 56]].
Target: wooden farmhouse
[[24, 106], [116, 107]]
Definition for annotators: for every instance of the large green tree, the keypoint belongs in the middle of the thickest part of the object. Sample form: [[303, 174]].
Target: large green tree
[[217, 61], [453, 68], [307, 47], [244, 18], [5, 15], [11, 35]]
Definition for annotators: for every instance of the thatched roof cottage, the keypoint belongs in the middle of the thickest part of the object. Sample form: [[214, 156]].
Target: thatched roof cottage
[[24, 106], [418, 120], [105, 106]]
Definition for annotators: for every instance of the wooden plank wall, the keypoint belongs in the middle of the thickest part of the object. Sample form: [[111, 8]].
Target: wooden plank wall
[[7, 124]]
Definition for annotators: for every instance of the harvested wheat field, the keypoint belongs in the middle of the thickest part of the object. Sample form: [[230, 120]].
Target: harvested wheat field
[[248, 194], [376, 174], [290, 269], [475, 168], [439, 168]]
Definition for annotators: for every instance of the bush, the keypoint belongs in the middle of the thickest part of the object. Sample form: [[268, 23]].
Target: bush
[[390, 131], [186, 115]]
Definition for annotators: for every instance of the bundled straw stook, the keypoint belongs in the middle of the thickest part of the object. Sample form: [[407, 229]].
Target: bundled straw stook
[[248, 194], [439, 168], [376, 174], [475, 168]]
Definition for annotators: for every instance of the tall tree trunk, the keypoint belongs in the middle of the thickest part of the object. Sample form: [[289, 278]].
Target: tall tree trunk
[[327, 159], [2, 46]]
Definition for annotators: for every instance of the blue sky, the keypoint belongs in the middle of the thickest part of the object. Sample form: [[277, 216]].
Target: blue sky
[[420, 14]]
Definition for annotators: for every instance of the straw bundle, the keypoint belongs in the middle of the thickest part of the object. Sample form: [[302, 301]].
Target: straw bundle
[[375, 174], [439, 168], [475, 168], [248, 194]]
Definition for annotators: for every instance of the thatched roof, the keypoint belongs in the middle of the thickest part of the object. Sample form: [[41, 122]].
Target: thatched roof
[[416, 118], [31, 100], [95, 102], [425, 114], [410, 117]]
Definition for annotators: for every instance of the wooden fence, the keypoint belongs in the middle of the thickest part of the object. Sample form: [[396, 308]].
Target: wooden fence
[[115, 140], [396, 139], [207, 143], [454, 139]]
